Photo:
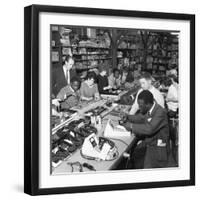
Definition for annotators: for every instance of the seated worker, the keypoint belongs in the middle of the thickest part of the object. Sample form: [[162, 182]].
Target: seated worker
[[172, 105], [155, 130], [131, 80], [70, 94], [61, 76], [89, 89], [115, 79], [102, 80], [146, 84]]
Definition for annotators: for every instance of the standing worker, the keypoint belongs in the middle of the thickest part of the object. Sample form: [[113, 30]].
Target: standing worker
[[61, 76]]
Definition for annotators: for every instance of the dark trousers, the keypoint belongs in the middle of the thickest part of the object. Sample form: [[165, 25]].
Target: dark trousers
[[137, 157], [156, 157], [173, 130], [146, 156]]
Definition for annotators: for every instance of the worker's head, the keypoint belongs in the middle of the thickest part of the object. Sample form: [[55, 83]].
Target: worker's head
[[173, 78], [145, 101], [90, 79], [68, 62], [102, 70], [173, 71], [145, 81], [116, 73], [75, 83]]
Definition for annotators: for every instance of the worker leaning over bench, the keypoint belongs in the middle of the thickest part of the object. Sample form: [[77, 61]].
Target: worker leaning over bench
[[154, 128], [70, 94]]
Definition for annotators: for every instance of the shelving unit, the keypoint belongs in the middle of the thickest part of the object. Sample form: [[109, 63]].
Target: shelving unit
[[151, 51], [88, 52], [155, 52]]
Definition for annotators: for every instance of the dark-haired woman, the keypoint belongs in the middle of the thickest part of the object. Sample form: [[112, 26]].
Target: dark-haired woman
[[89, 89], [102, 80]]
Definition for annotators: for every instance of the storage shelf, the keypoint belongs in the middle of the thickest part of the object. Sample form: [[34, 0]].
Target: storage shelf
[[173, 50], [88, 54], [87, 47], [163, 57], [79, 60], [156, 63], [81, 68], [126, 49], [136, 49]]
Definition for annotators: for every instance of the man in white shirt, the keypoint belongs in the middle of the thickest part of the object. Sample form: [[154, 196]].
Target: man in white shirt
[[146, 84], [172, 95]]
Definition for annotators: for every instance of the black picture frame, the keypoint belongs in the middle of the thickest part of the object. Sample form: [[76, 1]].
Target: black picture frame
[[31, 98]]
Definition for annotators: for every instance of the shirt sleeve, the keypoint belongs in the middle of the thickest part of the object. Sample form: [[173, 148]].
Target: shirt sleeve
[[160, 99], [61, 94], [172, 94], [150, 128], [135, 106], [65, 93], [138, 118]]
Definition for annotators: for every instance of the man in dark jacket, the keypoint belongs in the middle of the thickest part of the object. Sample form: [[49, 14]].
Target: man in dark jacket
[[153, 127], [61, 76]]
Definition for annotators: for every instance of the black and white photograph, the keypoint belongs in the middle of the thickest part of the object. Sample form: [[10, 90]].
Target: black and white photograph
[[109, 100], [114, 99]]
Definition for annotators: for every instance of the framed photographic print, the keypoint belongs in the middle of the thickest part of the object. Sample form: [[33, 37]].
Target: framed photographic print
[[109, 99]]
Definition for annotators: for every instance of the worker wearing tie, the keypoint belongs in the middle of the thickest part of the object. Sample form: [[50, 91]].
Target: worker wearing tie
[[61, 76], [154, 129]]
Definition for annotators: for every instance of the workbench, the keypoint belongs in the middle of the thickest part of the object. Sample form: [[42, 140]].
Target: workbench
[[123, 144]]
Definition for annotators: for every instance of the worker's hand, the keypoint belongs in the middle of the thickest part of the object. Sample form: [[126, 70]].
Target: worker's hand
[[107, 87], [123, 116], [87, 98], [128, 126], [56, 102], [114, 87]]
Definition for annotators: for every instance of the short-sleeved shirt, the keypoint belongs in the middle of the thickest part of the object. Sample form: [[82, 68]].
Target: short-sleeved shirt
[[87, 91]]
